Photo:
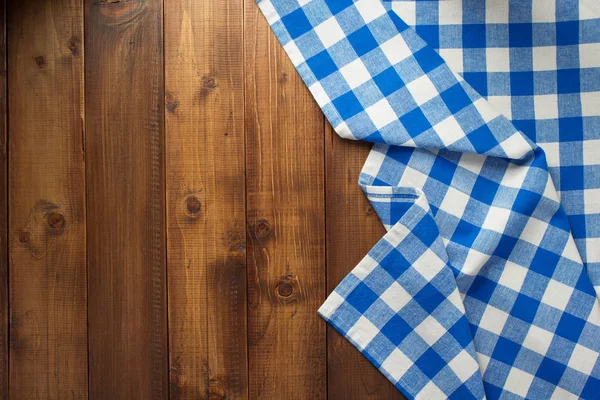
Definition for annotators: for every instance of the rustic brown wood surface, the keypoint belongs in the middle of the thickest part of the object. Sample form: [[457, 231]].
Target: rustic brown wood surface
[[206, 237], [126, 199], [3, 212], [47, 228], [174, 209], [286, 223]]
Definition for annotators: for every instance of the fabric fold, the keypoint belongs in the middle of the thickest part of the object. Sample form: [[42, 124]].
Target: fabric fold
[[478, 288], [401, 307]]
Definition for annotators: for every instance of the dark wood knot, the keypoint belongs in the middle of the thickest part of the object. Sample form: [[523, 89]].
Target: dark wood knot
[[288, 289], [24, 237], [285, 289], [171, 101], [193, 206], [56, 221], [209, 83], [39, 61], [74, 45], [262, 228]]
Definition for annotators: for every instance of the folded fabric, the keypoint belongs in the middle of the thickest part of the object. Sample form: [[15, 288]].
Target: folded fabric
[[485, 171]]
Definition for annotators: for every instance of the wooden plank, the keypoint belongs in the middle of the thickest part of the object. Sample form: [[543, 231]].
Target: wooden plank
[[206, 199], [48, 340], [349, 215], [126, 200], [286, 223], [3, 212]]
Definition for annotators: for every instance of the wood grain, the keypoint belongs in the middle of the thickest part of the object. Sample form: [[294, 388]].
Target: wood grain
[[206, 199], [126, 200], [215, 207], [349, 215], [48, 345], [3, 211], [286, 253]]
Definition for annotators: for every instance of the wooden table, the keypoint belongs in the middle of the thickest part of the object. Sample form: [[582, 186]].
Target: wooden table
[[175, 209]]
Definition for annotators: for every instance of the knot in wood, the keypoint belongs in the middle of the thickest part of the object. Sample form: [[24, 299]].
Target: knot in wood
[[171, 101], [39, 61], [24, 237], [284, 289], [262, 228], [288, 289], [56, 221], [209, 82], [74, 45], [193, 206]]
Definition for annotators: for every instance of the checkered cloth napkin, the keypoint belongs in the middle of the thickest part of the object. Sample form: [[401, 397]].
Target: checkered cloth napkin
[[485, 171]]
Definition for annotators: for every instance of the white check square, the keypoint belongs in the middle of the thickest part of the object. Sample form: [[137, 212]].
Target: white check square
[[329, 32], [544, 58], [397, 364], [407, 10], [430, 330], [450, 12], [422, 89], [552, 151], [454, 59], [363, 332], [593, 246], [502, 104], [355, 73], [496, 12], [429, 265], [396, 297], [545, 106], [449, 130], [518, 382], [591, 197], [583, 359], [591, 155], [557, 294], [538, 340], [497, 59], [381, 114], [515, 146], [474, 262], [513, 276], [370, 10], [432, 392], [493, 320], [413, 178], [589, 55], [534, 231], [543, 11], [463, 365], [455, 202], [496, 219], [590, 104], [396, 50]]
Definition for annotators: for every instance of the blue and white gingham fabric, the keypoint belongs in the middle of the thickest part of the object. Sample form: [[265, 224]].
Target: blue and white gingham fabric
[[485, 171]]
